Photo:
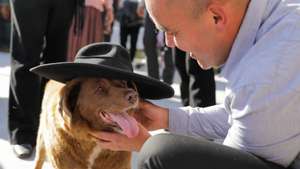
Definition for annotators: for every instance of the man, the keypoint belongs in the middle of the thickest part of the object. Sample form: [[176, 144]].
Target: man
[[39, 35], [257, 42]]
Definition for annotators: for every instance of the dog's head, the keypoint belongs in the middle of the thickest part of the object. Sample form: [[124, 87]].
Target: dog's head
[[100, 104]]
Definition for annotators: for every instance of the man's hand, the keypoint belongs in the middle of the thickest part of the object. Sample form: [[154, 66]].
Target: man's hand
[[109, 18], [5, 12], [140, 11], [151, 116], [120, 142]]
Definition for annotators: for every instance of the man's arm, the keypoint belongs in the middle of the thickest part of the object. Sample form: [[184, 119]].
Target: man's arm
[[210, 122]]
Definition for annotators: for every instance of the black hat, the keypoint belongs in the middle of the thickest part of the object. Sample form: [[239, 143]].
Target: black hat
[[105, 60]]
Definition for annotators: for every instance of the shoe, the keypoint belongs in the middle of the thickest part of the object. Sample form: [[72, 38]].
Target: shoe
[[22, 150]]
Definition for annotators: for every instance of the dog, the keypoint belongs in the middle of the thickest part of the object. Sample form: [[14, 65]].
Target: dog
[[70, 111]]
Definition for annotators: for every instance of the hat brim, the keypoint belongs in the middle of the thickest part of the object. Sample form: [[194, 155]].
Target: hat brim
[[148, 88]]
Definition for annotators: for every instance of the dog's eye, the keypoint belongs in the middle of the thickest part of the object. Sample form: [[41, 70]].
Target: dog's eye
[[121, 83], [129, 84], [124, 83]]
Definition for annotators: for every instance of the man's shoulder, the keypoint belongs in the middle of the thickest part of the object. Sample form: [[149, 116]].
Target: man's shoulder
[[268, 62], [281, 21]]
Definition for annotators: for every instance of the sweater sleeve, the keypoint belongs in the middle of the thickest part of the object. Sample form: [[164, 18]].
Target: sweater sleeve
[[210, 122]]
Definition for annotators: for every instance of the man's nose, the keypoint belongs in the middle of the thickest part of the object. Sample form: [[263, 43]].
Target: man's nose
[[169, 40]]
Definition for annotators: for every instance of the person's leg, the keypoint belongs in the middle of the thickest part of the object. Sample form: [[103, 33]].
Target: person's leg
[[6, 30], [29, 27], [58, 30], [180, 63], [2, 32], [134, 33], [123, 35], [202, 85], [150, 48], [169, 151], [57, 34], [168, 71]]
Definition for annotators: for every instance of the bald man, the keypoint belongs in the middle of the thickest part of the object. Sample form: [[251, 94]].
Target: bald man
[[257, 44]]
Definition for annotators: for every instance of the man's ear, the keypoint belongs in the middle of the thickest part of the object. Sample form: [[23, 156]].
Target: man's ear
[[218, 16]]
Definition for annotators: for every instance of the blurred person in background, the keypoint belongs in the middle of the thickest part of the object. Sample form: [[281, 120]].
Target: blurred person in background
[[39, 35], [197, 86], [130, 24], [152, 47], [93, 20]]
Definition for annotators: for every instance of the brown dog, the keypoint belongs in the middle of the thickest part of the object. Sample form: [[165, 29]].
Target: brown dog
[[71, 110]]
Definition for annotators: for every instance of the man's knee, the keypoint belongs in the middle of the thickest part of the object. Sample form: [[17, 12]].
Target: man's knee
[[168, 151], [154, 151]]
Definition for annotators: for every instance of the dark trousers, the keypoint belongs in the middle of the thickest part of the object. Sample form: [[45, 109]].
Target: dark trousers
[[133, 33], [150, 47], [4, 34], [197, 86], [4, 25], [168, 151], [40, 30]]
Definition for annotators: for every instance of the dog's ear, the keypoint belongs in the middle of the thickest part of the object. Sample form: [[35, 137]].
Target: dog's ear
[[69, 96], [133, 85]]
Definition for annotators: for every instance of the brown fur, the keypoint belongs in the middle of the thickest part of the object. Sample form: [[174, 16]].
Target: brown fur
[[69, 112]]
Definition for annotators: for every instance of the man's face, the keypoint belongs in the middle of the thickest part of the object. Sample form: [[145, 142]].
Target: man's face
[[195, 35]]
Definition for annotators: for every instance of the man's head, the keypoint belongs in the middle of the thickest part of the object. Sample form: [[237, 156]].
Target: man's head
[[204, 28]]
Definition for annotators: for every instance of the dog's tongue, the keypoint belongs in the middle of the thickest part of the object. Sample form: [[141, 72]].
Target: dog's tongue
[[127, 123]]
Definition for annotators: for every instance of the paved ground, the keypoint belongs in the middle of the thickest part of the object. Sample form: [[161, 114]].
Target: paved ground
[[7, 158]]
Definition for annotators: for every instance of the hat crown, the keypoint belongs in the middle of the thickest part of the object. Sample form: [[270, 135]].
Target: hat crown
[[106, 54]]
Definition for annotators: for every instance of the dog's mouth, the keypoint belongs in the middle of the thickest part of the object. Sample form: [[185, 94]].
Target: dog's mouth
[[121, 122]]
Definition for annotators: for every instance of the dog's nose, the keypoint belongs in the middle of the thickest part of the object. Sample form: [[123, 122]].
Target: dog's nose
[[131, 96]]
